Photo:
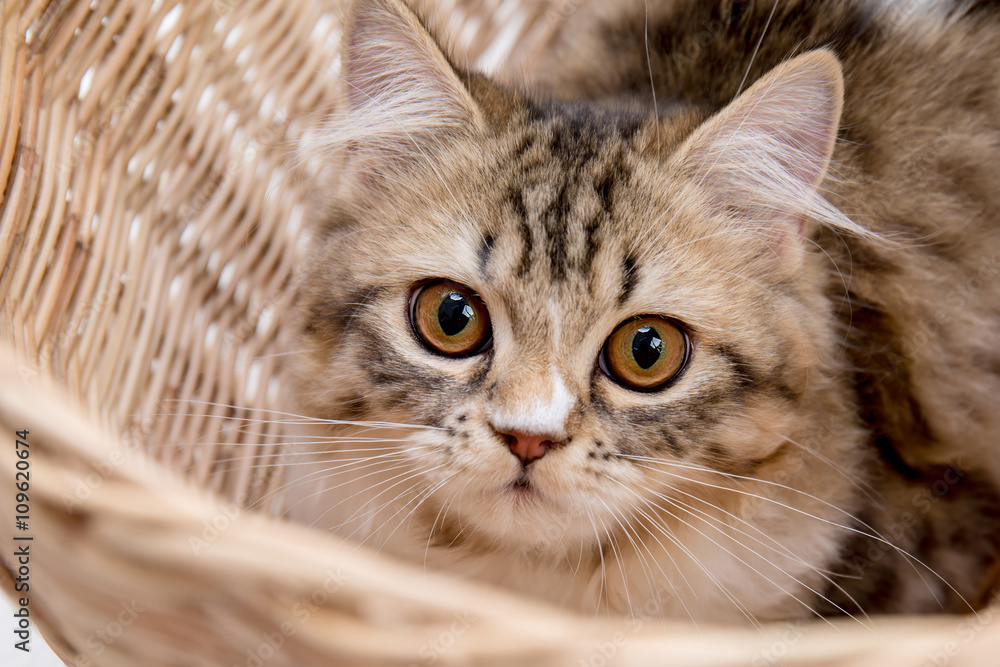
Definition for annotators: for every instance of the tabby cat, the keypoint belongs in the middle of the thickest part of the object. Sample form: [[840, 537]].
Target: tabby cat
[[700, 315]]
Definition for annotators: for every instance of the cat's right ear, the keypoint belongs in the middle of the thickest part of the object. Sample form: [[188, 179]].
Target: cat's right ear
[[402, 97]]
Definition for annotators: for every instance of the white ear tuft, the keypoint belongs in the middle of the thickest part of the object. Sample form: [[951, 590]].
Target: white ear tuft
[[402, 95], [766, 153]]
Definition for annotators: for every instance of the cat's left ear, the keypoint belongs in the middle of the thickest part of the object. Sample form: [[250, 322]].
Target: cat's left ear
[[763, 157], [402, 95]]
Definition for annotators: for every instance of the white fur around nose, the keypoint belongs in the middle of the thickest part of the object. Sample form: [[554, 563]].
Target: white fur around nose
[[541, 416]]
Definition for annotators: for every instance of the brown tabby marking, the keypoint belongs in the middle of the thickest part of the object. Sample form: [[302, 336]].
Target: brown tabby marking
[[812, 194]]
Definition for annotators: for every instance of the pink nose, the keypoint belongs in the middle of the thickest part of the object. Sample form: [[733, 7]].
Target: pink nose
[[529, 447]]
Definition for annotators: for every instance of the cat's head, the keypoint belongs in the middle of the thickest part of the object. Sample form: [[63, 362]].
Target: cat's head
[[583, 310]]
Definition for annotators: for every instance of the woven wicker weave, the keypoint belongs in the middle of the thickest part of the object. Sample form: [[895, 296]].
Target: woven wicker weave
[[149, 225]]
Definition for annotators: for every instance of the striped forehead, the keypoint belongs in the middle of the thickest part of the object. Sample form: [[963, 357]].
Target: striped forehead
[[556, 215]]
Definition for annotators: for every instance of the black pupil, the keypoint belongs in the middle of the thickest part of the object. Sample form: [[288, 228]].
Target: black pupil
[[647, 346], [454, 314]]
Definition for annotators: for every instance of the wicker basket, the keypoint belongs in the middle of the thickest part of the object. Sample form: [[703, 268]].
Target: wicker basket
[[149, 226]]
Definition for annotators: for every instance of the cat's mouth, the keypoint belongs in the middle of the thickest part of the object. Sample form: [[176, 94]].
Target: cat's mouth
[[522, 487]]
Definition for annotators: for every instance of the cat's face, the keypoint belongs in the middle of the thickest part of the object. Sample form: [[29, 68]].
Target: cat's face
[[585, 318], [605, 318]]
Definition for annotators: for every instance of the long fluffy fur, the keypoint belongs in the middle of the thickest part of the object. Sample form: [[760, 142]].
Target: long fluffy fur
[[834, 433]]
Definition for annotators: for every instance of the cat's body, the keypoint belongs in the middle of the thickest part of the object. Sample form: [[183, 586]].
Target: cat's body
[[828, 415]]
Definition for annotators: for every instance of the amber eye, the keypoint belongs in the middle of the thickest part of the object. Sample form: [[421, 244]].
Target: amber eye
[[450, 319], [645, 353]]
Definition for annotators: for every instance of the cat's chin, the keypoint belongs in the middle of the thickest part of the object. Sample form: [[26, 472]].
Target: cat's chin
[[518, 515]]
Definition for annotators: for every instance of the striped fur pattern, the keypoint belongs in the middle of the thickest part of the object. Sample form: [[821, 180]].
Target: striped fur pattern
[[809, 187]]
